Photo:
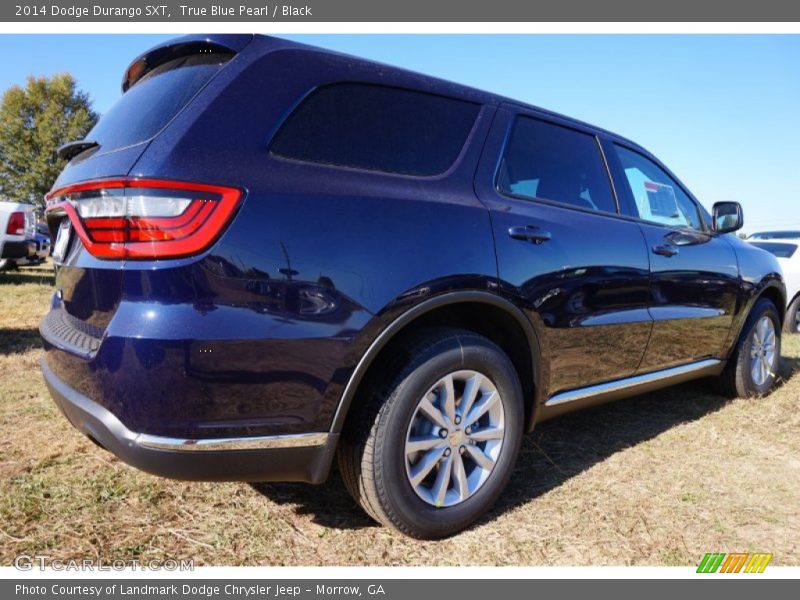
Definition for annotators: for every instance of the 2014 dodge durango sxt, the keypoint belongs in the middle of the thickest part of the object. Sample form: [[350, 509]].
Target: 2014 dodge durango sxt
[[269, 255]]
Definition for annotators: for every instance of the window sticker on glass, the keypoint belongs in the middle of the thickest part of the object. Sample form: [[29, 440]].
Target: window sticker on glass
[[661, 200]]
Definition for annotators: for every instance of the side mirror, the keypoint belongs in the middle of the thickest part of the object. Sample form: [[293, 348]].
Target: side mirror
[[727, 217]]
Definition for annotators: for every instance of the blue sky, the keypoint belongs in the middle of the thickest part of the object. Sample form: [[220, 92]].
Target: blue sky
[[723, 112]]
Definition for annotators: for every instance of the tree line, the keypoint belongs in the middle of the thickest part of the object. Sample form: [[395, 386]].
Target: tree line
[[34, 121]]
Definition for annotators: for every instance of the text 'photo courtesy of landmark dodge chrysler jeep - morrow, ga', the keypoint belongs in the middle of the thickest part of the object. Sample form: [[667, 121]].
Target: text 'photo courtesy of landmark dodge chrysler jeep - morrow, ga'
[[270, 255]]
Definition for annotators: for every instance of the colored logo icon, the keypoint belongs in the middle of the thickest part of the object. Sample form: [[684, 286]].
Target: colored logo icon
[[736, 562]]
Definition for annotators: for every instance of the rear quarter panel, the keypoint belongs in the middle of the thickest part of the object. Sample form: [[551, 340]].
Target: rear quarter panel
[[260, 334]]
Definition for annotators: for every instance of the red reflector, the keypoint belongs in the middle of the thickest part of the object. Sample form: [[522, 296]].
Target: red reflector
[[145, 218], [16, 224]]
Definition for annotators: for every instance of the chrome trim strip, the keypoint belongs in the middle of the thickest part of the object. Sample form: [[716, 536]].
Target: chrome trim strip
[[629, 382], [125, 436], [299, 440]]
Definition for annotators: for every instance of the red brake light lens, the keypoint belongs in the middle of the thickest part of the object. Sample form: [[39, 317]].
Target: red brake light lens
[[16, 224], [145, 218]]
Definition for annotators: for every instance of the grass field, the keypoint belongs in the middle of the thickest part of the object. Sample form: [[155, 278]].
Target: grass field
[[656, 480]]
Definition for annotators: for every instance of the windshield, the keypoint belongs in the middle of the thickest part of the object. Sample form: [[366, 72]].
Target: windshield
[[775, 235], [781, 250]]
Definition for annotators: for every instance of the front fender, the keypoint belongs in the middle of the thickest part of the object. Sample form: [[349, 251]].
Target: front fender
[[760, 275]]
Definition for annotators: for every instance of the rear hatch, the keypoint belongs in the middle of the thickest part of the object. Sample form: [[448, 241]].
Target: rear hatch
[[93, 206]]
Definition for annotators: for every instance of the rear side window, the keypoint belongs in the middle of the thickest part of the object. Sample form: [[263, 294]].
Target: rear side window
[[377, 128], [658, 197], [779, 249], [549, 162], [147, 107]]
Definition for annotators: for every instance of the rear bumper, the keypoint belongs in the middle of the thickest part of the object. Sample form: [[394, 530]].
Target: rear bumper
[[301, 457], [16, 250]]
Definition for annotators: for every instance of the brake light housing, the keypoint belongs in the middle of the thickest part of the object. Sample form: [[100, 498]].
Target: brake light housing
[[16, 223], [145, 218]]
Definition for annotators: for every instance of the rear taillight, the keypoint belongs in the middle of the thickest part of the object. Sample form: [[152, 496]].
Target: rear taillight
[[145, 218], [16, 224]]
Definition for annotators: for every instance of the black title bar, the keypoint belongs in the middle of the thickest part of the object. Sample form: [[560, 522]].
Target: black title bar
[[401, 10]]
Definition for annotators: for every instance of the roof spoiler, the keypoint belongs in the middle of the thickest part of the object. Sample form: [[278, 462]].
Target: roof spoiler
[[179, 48]]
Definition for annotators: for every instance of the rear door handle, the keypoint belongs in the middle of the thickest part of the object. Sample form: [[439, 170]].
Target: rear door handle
[[529, 233], [664, 250]]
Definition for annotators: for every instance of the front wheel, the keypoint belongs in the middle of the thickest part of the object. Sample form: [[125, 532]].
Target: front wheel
[[753, 366], [431, 450]]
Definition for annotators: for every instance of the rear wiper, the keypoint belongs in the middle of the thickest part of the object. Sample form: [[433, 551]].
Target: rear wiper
[[72, 149]]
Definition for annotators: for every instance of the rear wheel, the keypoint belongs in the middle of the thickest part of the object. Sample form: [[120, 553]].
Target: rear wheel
[[792, 323], [753, 367], [430, 450]]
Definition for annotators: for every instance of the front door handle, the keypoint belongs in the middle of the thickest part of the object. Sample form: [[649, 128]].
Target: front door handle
[[529, 233], [664, 250]]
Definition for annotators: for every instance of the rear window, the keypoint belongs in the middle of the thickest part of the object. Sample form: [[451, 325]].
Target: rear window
[[147, 107], [778, 249], [377, 128]]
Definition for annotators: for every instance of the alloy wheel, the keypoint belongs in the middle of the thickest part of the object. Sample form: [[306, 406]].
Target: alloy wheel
[[763, 353], [454, 438]]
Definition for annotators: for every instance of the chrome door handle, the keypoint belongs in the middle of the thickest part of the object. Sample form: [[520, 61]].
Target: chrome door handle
[[529, 233], [664, 250]]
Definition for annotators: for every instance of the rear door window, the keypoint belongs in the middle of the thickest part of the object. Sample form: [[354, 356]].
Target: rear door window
[[146, 108], [544, 161], [377, 128]]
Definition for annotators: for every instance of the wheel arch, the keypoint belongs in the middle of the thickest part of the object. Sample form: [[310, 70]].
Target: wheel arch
[[502, 322], [773, 290], [776, 294]]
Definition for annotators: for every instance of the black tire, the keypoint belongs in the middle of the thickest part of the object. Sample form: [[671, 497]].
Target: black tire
[[371, 454], [790, 325], [737, 380]]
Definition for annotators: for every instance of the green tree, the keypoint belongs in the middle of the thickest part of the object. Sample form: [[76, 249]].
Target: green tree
[[34, 122]]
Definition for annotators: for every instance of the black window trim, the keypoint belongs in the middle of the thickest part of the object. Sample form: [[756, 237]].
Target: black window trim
[[697, 206], [593, 134], [273, 132]]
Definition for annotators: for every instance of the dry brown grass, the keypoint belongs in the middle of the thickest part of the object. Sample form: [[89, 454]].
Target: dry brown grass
[[656, 480]]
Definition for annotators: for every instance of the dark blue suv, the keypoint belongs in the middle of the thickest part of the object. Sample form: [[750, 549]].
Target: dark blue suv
[[269, 255]]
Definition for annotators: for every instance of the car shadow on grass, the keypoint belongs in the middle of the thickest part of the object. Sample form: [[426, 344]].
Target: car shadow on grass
[[329, 504], [555, 452], [14, 340]]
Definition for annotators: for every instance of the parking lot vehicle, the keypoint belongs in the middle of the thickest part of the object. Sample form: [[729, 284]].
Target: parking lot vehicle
[[42, 249], [43, 230], [788, 255], [16, 233], [269, 255], [774, 235]]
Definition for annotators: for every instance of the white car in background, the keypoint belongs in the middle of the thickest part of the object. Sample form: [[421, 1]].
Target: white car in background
[[17, 231], [787, 251], [774, 235]]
